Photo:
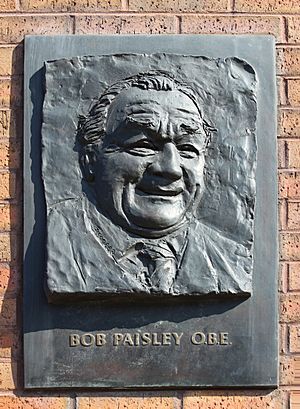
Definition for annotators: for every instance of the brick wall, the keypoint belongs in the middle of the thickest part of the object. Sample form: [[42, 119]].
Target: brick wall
[[19, 17]]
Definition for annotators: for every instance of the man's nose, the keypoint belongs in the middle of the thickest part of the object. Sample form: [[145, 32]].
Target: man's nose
[[167, 163]]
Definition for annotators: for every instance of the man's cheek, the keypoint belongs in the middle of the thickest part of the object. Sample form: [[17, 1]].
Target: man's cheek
[[192, 174], [123, 168], [135, 169], [194, 169], [125, 176], [113, 166]]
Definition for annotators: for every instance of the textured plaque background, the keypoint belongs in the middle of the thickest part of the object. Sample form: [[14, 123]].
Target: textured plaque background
[[249, 359]]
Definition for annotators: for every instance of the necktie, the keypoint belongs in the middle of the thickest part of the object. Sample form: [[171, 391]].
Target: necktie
[[155, 262], [159, 265]]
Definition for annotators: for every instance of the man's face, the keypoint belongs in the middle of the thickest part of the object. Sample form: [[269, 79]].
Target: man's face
[[150, 163]]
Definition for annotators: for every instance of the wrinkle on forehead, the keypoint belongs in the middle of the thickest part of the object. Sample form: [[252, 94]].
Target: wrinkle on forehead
[[162, 121], [161, 112]]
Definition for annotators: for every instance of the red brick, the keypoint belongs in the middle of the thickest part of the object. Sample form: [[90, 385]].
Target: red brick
[[4, 123], [7, 313], [10, 345], [289, 307], [293, 153], [293, 215], [33, 402], [294, 276], [294, 338], [294, 400], [5, 217], [293, 29], [231, 400], [125, 25], [281, 91], [10, 123], [8, 247], [294, 92], [289, 185], [282, 214], [7, 5], [189, 6], [290, 370], [5, 92], [142, 402], [283, 338], [288, 61], [281, 153], [10, 217], [278, 6], [5, 248], [8, 375], [11, 92], [290, 246], [232, 25], [14, 28], [7, 185], [289, 123], [283, 277], [70, 5], [10, 154], [9, 279], [11, 60]]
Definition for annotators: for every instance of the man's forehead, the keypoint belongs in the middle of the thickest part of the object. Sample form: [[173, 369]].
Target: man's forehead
[[150, 106], [166, 99], [158, 109]]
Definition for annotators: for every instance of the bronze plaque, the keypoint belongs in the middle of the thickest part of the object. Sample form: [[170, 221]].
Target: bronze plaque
[[149, 259]]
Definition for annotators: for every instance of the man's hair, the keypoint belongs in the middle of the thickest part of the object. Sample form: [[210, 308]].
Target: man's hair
[[92, 128]]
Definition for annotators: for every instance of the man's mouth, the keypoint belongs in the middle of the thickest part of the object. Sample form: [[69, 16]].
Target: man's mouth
[[159, 191]]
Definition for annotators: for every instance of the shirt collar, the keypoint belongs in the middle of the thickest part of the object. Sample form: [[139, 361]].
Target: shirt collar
[[118, 242]]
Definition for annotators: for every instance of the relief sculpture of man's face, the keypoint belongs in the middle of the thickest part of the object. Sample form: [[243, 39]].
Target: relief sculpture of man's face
[[149, 165]]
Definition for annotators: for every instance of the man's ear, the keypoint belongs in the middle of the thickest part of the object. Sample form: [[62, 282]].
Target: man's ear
[[87, 160]]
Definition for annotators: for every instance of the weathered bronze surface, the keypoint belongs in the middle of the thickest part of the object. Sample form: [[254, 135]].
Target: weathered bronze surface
[[142, 220], [150, 212]]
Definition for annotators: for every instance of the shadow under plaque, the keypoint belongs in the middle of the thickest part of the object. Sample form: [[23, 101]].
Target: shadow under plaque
[[150, 212]]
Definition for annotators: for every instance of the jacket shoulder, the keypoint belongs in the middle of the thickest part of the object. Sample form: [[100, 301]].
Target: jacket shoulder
[[214, 263]]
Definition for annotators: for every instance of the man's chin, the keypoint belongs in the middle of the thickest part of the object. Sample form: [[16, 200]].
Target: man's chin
[[155, 223], [155, 218], [149, 225], [152, 228]]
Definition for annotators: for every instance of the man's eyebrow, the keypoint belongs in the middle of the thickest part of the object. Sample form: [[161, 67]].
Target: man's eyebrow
[[135, 138], [189, 124], [143, 118], [190, 119], [190, 127], [194, 137], [197, 140], [187, 111]]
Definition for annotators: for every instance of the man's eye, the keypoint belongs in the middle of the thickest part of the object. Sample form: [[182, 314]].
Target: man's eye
[[141, 148], [111, 148], [188, 151]]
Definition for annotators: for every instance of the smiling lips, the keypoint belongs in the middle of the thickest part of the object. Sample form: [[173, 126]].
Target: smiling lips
[[171, 190]]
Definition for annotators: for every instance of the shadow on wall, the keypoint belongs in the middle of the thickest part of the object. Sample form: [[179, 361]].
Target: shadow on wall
[[10, 315]]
